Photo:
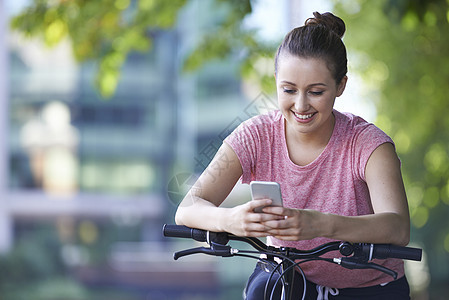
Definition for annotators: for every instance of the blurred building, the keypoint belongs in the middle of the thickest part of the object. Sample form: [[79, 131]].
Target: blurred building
[[66, 145], [75, 160], [66, 151]]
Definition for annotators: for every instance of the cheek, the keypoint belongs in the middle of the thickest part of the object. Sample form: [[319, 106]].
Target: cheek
[[326, 104], [283, 103], [282, 98]]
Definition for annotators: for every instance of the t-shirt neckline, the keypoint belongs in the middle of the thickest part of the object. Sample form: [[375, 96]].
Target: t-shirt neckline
[[322, 155]]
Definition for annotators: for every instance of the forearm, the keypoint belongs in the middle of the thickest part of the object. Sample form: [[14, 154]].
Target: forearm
[[199, 213], [382, 228], [200, 208]]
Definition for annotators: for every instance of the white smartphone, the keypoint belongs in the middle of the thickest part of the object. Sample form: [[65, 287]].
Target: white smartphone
[[266, 190]]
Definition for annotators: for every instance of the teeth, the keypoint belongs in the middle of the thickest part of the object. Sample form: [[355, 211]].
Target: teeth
[[303, 117]]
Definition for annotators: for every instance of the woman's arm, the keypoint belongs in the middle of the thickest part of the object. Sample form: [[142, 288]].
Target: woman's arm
[[200, 207], [390, 222]]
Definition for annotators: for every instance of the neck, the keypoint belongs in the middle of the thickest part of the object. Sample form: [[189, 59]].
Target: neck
[[319, 138]]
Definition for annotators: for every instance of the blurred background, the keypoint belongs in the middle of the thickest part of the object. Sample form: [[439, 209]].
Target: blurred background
[[111, 108]]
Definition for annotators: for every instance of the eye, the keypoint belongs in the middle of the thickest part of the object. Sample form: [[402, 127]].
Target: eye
[[316, 93], [288, 91]]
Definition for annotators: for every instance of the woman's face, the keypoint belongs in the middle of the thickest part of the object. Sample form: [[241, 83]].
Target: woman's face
[[306, 93]]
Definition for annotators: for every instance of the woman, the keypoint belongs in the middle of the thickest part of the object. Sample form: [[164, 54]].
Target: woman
[[340, 176]]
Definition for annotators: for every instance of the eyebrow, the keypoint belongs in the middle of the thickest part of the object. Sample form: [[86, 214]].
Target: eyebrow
[[310, 85]]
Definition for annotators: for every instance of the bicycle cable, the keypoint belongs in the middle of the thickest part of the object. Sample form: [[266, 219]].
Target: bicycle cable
[[296, 264], [274, 265]]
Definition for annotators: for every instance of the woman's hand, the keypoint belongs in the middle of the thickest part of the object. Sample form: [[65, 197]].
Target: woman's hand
[[293, 224], [243, 221]]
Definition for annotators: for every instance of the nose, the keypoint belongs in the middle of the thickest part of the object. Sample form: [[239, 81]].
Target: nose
[[302, 103]]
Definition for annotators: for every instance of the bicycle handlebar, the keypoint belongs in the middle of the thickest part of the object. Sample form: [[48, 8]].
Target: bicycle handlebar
[[363, 250], [383, 251], [356, 255], [185, 232]]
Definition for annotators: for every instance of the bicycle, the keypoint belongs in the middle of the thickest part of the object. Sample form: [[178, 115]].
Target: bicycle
[[355, 255]]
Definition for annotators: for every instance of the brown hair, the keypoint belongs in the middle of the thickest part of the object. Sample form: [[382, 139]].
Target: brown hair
[[320, 37]]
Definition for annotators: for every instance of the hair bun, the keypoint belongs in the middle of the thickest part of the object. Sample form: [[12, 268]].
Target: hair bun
[[328, 20]]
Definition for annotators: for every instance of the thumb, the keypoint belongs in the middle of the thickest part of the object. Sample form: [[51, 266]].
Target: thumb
[[256, 203]]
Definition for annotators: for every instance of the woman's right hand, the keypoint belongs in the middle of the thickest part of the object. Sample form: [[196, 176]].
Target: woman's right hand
[[243, 221]]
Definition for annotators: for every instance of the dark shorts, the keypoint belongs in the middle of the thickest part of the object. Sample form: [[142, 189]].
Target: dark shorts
[[254, 290]]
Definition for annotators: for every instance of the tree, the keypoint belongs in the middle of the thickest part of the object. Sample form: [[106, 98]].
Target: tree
[[107, 31], [401, 49]]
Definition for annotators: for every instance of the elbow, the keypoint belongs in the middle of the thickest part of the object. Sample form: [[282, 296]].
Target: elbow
[[406, 232], [403, 240], [398, 231], [179, 217], [403, 235], [184, 210]]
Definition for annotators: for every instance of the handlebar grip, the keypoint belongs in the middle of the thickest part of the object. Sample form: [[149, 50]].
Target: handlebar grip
[[383, 251], [181, 231]]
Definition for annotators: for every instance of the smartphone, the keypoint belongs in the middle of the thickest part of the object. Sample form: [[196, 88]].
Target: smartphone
[[266, 190]]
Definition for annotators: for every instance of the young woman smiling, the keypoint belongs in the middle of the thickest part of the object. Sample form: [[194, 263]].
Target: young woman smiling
[[340, 176]]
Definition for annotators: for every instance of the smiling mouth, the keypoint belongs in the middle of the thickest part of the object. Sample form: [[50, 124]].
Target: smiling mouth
[[303, 117]]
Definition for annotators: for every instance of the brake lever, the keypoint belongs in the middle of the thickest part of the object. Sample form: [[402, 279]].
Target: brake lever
[[191, 251], [383, 269], [351, 263], [215, 250]]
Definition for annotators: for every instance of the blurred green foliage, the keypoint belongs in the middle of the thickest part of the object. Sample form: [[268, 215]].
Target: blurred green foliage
[[229, 38], [401, 48], [102, 30], [107, 31]]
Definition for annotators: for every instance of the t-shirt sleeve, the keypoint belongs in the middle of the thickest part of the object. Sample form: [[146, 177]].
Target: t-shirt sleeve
[[368, 139], [243, 140]]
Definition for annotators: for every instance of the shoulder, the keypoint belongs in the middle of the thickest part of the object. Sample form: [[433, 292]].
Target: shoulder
[[361, 139], [262, 123], [358, 128], [256, 130], [350, 120], [267, 119]]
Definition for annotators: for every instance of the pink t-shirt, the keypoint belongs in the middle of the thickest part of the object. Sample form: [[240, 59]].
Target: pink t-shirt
[[333, 183]]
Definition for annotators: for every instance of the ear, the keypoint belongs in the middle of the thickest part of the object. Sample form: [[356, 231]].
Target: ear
[[341, 86]]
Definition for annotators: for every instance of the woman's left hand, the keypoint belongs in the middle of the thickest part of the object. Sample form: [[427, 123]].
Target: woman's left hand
[[298, 224]]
